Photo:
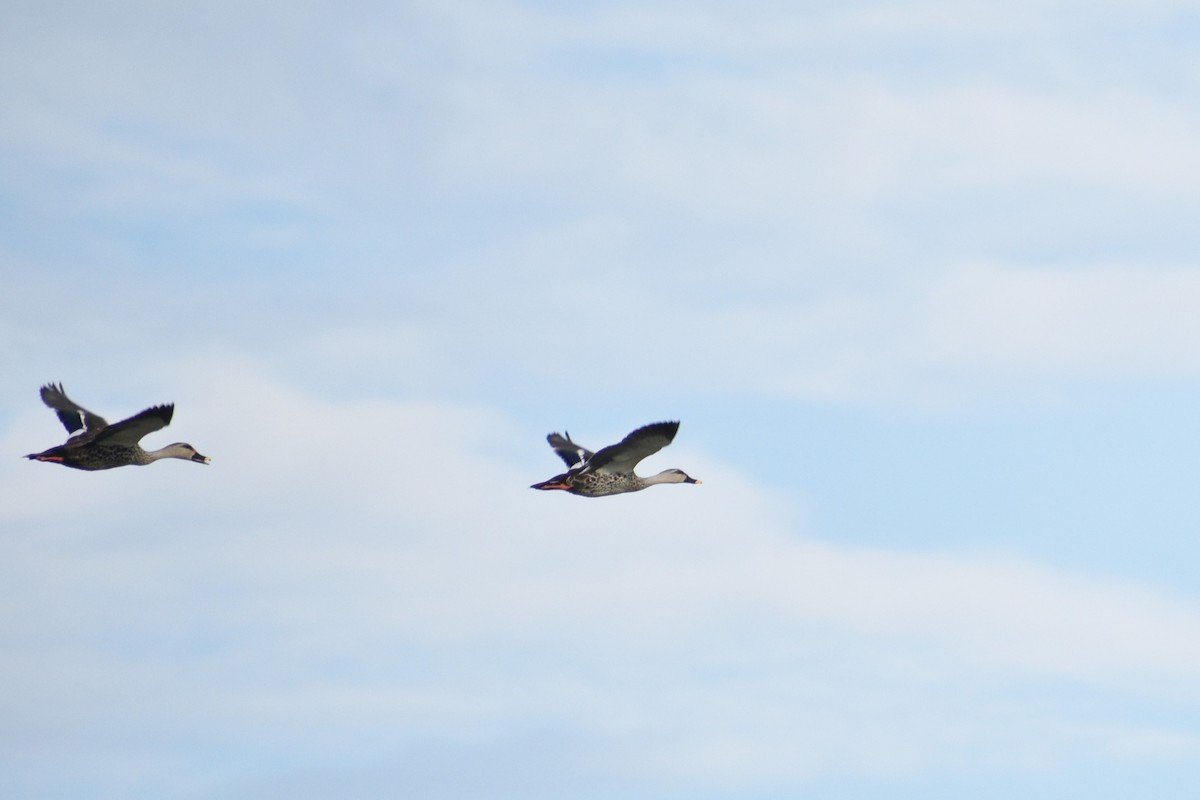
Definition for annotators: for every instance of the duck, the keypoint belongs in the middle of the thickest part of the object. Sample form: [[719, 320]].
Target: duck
[[610, 470], [94, 444]]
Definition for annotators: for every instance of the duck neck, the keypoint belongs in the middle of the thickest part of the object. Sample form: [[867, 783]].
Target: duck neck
[[170, 451]]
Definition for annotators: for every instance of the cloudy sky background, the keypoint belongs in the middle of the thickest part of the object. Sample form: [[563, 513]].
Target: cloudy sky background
[[919, 278]]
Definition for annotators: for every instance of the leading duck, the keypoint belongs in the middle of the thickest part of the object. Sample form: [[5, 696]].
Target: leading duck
[[97, 445], [610, 469]]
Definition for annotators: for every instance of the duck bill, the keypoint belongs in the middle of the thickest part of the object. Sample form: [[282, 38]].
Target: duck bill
[[551, 484], [692, 480], [199, 459]]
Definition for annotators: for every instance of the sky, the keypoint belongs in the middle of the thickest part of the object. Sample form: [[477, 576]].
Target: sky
[[920, 280]]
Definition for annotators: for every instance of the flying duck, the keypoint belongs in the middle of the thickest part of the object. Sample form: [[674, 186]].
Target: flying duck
[[95, 444], [610, 469]]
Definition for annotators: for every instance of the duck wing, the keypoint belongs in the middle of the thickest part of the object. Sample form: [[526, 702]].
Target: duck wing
[[623, 456], [128, 432], [574, 455], [73, 416]]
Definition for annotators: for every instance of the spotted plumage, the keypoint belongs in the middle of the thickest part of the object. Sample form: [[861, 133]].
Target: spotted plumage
[[610, 470], [94, 444]]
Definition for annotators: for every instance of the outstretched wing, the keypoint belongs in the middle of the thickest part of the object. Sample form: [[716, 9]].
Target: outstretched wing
[[568, 451], [73, 416], [128, 432], [625, 455]]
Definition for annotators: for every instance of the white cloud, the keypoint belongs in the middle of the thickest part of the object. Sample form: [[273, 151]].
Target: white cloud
[[357, 574], [955, 334], [1098, 321], [475, 99], [362, 567]]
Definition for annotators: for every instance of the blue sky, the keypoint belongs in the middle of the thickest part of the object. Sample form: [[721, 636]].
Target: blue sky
[[919, 279]]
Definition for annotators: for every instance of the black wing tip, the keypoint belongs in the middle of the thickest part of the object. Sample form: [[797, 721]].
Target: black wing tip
[[668, 429], [162, 412]]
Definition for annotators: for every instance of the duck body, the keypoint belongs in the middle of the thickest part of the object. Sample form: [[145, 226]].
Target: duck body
[[610, 470], [96, 445]]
